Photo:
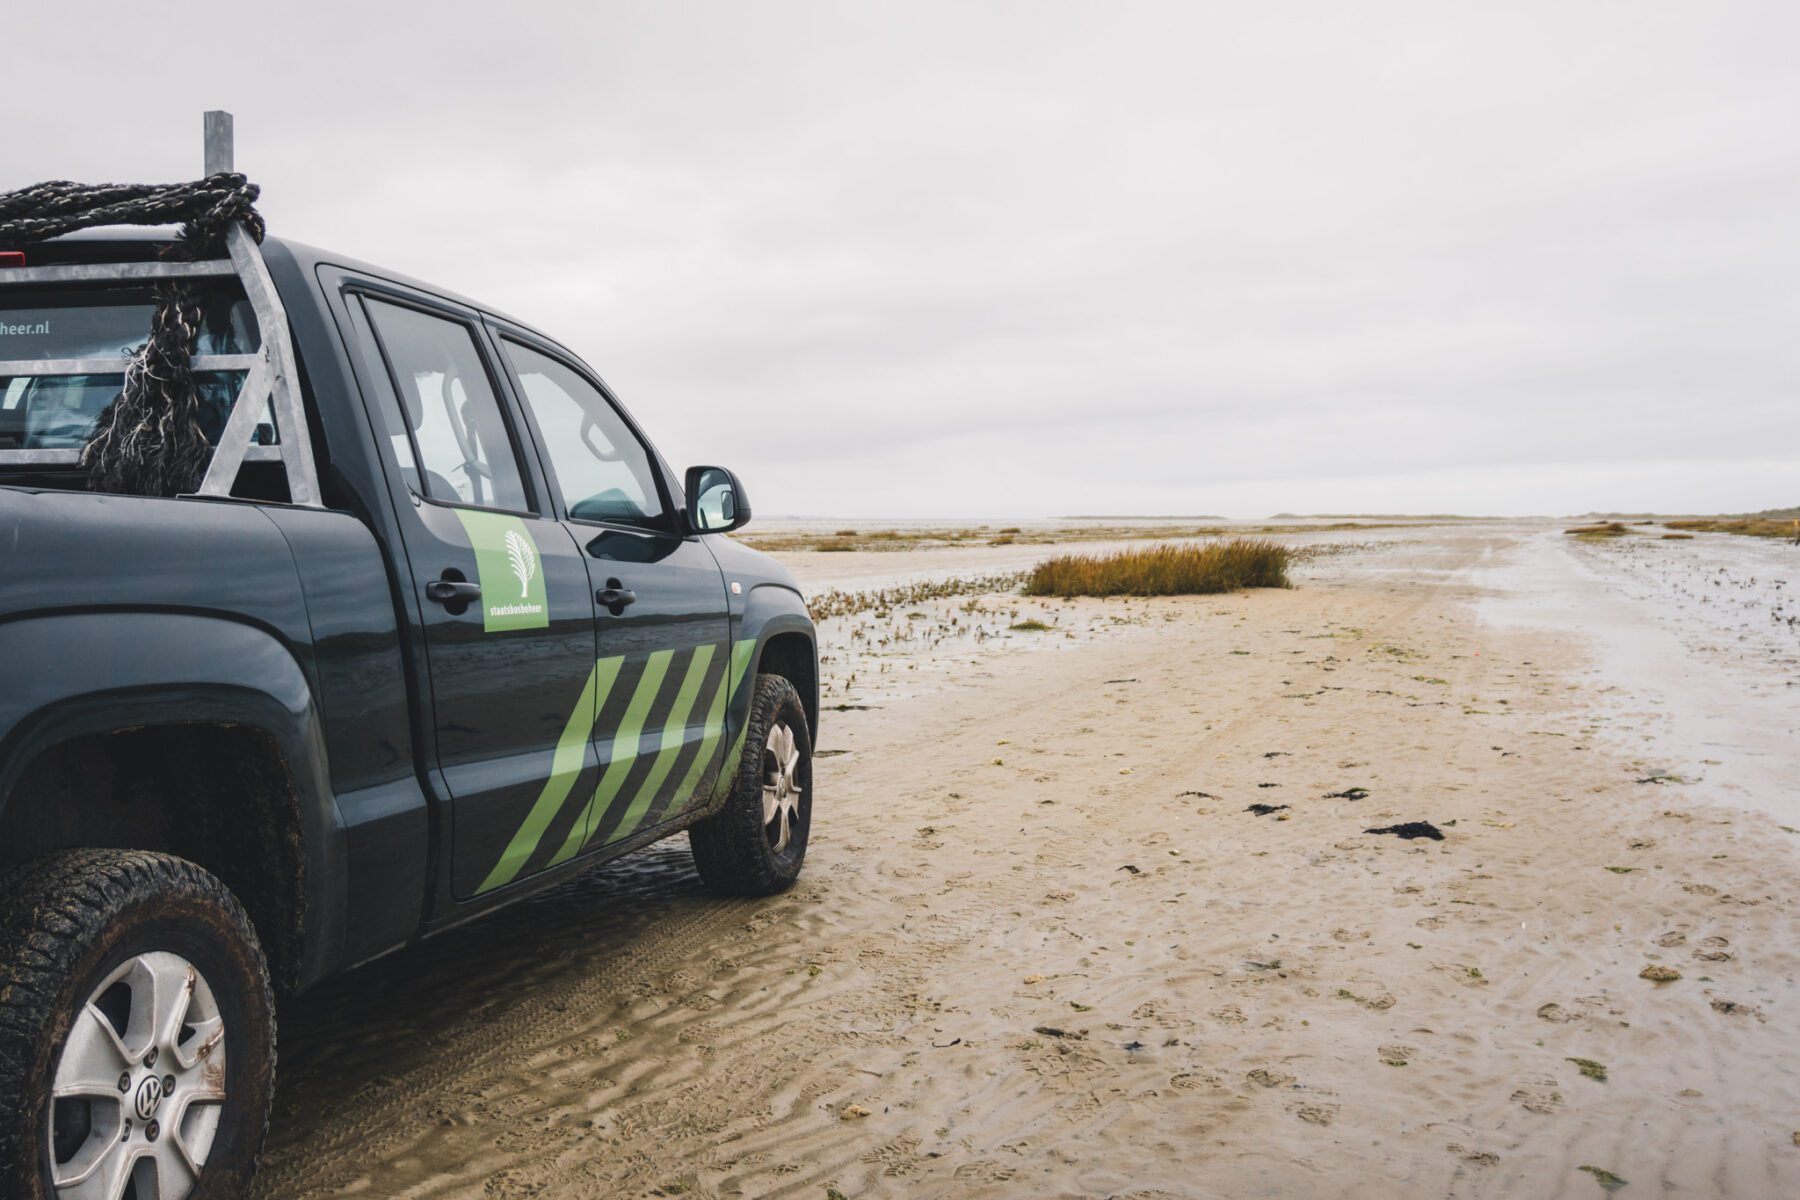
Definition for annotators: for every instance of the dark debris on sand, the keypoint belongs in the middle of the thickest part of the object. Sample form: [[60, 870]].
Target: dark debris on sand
[[1263, 810], [1411, 829], [1051, 1031]]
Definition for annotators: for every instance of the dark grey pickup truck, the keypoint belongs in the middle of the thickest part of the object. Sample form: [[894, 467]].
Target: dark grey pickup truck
[[440, 630]]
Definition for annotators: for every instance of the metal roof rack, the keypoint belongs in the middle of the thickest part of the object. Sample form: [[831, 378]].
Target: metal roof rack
[[272, 378]]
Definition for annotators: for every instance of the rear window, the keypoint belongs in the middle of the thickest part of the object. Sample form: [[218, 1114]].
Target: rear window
[[57, 412]]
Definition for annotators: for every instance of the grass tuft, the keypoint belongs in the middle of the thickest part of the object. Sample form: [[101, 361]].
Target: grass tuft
[[1590, 1069], [1606, 1178], [1597, 533], [1165, 570]]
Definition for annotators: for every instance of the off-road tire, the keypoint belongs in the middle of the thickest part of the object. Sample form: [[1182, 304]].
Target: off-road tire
[[66, 922], [731, 848]]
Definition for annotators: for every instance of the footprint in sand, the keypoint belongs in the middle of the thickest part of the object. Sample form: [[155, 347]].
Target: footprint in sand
[[1538, 1095], [1189, 1081], [1732, 1008], [1397, 1055], [1264, 1077], [1378, 1003], [896, 1157], [1674, 937], [1557, 1013], [1481, 1158], [1713, 949], [1317, 1114]]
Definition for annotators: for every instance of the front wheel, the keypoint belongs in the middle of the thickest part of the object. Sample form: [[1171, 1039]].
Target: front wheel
[[755, 845], [137, 1031]]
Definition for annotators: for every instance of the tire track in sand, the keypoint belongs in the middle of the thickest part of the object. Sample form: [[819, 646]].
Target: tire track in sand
[[389, 1108]]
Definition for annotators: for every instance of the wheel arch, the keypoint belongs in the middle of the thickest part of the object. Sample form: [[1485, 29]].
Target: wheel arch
[[190, 735], [786, 643]]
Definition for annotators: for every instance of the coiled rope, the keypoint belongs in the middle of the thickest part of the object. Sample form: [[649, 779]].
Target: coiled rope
[[148, 441]]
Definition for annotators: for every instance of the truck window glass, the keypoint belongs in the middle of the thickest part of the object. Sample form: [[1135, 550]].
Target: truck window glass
[[398, 438], [465, 453], [602, 470], [57, 412]]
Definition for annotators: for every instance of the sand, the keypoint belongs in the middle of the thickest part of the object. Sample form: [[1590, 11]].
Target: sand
[[1042, 949]]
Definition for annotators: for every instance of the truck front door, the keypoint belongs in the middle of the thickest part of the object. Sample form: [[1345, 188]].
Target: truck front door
[[661, 618]]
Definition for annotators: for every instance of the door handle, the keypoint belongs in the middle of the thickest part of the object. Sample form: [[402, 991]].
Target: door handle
[[614, 597], [450, 591]]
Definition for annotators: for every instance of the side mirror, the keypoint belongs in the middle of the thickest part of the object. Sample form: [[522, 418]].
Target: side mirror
[[715, 500]]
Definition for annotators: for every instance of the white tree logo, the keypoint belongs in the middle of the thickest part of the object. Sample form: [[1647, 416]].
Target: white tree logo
[[523, 559]]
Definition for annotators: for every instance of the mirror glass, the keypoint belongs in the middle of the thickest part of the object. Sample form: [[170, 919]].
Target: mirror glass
[[716, 505]]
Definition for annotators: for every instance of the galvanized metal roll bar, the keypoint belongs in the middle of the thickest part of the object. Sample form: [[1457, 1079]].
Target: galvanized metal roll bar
[[271, 380]]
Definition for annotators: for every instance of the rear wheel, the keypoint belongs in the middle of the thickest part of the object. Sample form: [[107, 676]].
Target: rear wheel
[[136, 1031], [756, 844]]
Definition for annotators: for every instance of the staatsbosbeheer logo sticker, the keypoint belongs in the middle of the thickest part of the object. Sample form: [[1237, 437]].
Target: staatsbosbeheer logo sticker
[[509, 569], [523, 557]]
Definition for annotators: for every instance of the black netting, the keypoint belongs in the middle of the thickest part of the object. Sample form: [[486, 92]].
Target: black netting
[[148, 441]]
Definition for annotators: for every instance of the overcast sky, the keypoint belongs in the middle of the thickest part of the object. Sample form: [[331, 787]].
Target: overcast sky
[[1029, 259]]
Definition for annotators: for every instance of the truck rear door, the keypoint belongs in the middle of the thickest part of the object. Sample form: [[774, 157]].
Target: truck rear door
[[508, 614]]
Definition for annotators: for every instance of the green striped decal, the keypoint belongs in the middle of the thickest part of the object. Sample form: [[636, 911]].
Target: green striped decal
[[565, 768], [715, 726], [571, 748], [673, 735], [624, 756]]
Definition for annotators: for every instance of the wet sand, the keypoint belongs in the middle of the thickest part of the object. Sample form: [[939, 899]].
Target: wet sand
[[1695, 646], [1042, 949]]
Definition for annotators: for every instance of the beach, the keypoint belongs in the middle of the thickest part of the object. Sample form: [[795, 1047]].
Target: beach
[[1097, 904]]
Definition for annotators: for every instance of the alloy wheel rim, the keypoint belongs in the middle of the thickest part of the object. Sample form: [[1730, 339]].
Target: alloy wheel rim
[[139, 1087], [781, 792]]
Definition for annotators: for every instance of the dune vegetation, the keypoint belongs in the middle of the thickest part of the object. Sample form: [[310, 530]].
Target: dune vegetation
[[1181, 570], [1768, 527], [841, 602], [1601, 532]]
